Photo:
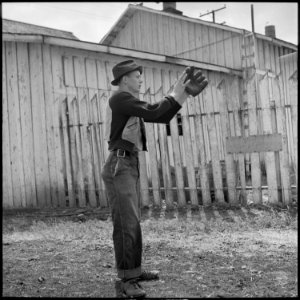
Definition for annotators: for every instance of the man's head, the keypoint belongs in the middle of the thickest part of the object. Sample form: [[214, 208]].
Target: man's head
[[127, 76]]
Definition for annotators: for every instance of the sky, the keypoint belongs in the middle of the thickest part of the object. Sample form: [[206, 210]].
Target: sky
[[90, 21]]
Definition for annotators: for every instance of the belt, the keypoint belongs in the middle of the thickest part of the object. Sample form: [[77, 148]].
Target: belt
[[121, 152]]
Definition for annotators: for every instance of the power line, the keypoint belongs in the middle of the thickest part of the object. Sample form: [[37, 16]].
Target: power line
[[210, 44]]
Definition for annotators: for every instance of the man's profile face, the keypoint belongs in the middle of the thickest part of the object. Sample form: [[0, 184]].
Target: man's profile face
[[134, 81]]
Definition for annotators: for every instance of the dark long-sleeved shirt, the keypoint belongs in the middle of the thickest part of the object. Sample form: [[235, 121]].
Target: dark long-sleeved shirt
[[124, 105]]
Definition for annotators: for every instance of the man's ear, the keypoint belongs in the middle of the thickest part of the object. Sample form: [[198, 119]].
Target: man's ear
[[124, 79]]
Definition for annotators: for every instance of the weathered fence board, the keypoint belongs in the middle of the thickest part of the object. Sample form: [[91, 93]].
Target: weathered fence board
[[188, 151], [148, 74], [164, 154], [283, 155], [26, 123], [269, 156], [214, 146], [203, 166], [59, 94], [8, 200], [68, 148], [17, 171], [178, 165], [235, 93], [223, 98]]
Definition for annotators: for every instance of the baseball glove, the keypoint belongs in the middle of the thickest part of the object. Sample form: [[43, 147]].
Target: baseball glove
[[197, 84]]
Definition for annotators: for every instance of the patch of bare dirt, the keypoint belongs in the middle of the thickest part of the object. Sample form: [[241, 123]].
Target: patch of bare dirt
[[208, 253]]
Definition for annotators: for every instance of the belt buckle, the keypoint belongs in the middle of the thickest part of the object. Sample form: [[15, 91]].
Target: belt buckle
[[124, 153]]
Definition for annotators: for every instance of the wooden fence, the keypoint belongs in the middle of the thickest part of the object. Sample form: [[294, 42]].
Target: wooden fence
[[53, 147]]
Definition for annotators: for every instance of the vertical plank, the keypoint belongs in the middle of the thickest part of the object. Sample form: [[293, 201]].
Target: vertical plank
[[74, 131], [220, 47], [272, 67], [19, 193], [203, 166], [102, 146], [260, 54], [283, 155], [228, 49], [269, 156], [185, 39], [223, 98], [188, 113], [176, 148], [205, 42], [172, 32], [77, 151], [91, 76], [26, 123], [236, 50], [287, 103], [67, 142], [55, 180], [159, 87], [155, 33], [93, 118], [83, 97], [103, 86], [71, 131], [6, 151], [59, 93], [252, 93], [235, 95], [292, 86], [151, 141], [137, 22], [39, 126], [253, 130], [160, 31], [216, 167], [179, 44], [212, 45], [194, 36]]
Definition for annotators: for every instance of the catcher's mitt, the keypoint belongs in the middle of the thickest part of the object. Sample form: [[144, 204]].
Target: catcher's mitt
[[197, 82]]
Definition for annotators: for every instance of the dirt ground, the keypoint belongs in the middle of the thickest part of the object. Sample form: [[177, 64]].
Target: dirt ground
[[212, 252]]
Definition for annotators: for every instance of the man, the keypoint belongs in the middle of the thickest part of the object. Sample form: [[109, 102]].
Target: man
[[125, 132]]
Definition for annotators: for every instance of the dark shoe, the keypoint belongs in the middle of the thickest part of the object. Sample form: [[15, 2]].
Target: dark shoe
[[129, 289], [148, 275]]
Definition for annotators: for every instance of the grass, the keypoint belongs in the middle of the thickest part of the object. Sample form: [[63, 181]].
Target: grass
[[207, 253]]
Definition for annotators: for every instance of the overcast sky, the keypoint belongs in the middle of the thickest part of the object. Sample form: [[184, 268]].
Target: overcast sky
[[90, 21]]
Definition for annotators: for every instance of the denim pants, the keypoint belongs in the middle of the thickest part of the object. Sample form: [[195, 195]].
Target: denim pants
[[121, 179]]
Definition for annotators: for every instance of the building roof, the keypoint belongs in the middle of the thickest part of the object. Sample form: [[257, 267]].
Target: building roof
[[16, 27], [131, 9]]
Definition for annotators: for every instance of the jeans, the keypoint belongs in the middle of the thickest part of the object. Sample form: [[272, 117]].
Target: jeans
[[121, 179]]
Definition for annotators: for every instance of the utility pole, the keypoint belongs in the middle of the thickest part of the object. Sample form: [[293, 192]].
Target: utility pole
[[212, 12], [252, 18]]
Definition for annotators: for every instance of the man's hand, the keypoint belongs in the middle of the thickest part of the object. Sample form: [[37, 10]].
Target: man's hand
[[179, 88], [196, 83]]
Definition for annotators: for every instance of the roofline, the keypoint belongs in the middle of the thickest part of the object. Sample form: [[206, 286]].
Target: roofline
[[77, 44], [51, 28], [134, 8], [112, 29]]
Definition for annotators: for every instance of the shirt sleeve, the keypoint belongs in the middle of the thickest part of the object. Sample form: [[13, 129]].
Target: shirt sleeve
[[160, 112]]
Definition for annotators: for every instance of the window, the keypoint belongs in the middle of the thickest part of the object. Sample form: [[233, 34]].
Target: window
[[179, 124]]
